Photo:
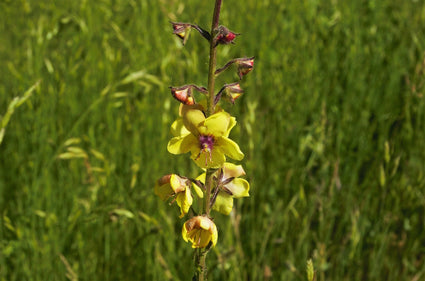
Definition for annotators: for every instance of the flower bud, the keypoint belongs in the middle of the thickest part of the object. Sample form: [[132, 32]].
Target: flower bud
[[245, 65], [232, 92], [183, 94], [182, 30], [225, 36]]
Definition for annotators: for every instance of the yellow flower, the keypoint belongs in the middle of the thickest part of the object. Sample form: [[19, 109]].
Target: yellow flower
[[200, 231], [230, 186], [177, 187], [206, 138]]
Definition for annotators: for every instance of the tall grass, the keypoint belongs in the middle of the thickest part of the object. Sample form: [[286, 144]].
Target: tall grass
[[332, 126]]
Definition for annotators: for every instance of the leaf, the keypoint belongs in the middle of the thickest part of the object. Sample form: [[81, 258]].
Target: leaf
[[72, 141], [134, 76], [97, 154], [123, 213]]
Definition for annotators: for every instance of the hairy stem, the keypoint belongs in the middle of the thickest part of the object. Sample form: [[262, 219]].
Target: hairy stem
[[201, 268], [213, 57], [211, 83]]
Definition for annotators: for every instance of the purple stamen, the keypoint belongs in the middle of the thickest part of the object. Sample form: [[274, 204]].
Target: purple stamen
[[206, 143]]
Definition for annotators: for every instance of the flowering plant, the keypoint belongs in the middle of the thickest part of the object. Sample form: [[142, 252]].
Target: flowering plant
[[203, 129]]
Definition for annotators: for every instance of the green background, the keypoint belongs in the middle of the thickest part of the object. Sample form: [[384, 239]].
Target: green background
[[332, 125]]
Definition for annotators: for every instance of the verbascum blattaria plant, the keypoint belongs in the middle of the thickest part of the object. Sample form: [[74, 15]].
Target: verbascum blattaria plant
[[202, 130]]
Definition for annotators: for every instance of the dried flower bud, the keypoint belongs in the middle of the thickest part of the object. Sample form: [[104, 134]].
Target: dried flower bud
[[225, 36], [182, 30], [245, 65], [183, 94]]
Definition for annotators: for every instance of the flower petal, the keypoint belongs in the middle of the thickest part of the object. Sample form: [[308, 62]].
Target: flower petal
[[230, 148], [223, 203], [232, 123], [214, 235], [198, 191], [231, 170], [182, 144], [164, 191], [178, 184], [238, 187], [216, 125], [192, 118], [204, 160], [178, 128], [184, 200]]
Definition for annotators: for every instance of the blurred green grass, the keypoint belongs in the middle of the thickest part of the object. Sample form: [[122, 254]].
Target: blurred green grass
[[332, 125]]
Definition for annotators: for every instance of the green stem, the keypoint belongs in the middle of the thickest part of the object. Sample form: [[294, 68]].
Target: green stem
[[201, 268], [210, 100]]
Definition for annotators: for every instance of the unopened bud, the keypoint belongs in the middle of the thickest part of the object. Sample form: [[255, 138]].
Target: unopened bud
[[183, 94], [232, 92], [182, 30], [245, 65], [225, 36]]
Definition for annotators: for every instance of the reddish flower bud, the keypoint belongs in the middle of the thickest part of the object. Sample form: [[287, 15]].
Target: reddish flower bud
[[182, 30], [232, 92], [225, 36], [183, 94], [245, 65]]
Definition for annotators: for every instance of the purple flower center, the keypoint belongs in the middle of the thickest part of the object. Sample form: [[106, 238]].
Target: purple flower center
[[206, 142]]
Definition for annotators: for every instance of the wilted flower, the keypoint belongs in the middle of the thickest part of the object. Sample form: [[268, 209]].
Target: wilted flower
[[225, 36], [229, 186], [206, 138], [245, 65], [178, 187], [200, 231]]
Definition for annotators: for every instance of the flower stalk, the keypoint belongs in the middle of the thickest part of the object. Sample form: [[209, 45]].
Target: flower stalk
[[203, 129], [213, 57]]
